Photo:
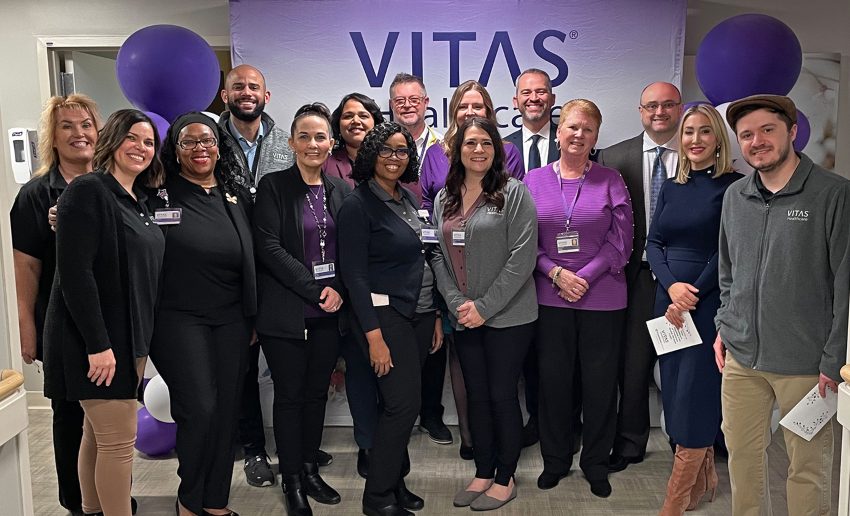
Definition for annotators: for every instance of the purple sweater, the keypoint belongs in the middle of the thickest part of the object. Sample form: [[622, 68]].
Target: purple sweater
[[603, 218], [435, 168]]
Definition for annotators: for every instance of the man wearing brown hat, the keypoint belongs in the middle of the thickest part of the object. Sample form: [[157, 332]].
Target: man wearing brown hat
[[784, 265]]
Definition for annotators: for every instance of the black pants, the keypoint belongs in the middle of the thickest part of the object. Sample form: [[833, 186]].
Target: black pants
[[491, 360], [400, 392], [252, 436], [433, 379], [202, 361], [67, 433], [591, 340], [636, 360], [301, 371], [361, 390]]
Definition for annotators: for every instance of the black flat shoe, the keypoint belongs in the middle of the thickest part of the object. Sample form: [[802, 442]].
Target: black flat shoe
[[389, 510], [467, 452], [316, 487], [407, 499], [600, 487], [363, 462], [548, 480], [323, 458], [294, 496], [619, 463]]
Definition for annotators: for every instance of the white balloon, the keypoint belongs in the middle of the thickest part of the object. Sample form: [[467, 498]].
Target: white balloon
[[735, 155], [211, 115], [150, 369], [656, 373], [157, 400]]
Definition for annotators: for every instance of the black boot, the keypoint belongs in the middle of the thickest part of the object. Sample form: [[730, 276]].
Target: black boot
[[363, 462], [405, 498], [295, 497], [315, 486]]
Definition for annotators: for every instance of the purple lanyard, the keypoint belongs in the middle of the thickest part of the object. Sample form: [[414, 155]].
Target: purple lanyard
[[569, 209]]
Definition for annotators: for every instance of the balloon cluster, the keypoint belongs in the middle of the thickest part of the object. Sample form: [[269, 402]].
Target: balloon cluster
[[165, 71], [747, 55], [156, 433]]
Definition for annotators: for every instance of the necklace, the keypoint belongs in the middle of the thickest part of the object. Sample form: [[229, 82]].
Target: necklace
[[212, 185]]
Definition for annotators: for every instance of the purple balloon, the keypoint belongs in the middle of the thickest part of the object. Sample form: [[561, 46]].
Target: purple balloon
[[154, 437], [804, 132], [746, 55], [160, 123], [168, 70]]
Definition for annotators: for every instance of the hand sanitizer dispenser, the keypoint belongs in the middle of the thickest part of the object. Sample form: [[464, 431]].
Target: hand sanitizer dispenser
[[23, 146]]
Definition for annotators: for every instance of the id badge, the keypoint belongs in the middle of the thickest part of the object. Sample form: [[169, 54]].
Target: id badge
[[423, 214], [167, 216], [428, 234], [458, 238], [567, 242], [323, 270]]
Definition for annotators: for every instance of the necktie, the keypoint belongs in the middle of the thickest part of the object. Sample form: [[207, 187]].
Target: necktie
[[534, 153], [659, 174]]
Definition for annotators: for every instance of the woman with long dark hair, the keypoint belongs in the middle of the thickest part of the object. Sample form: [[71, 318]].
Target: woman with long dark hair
[[101, 312], [487, 227], [351, 121], [208, 297], [295, 229], [383, 266]]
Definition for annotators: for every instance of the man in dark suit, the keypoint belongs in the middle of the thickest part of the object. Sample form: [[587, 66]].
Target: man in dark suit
[[537, 141], [645, 161]]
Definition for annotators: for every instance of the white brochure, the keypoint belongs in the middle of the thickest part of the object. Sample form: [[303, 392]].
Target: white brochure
[[667, 338], [811, 414]]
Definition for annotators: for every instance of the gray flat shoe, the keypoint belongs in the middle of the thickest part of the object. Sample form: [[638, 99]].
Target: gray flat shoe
[[463, 498], [488, 503]]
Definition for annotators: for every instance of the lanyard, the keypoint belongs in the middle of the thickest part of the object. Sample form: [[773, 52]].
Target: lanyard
[[569, 210], [323, 225]]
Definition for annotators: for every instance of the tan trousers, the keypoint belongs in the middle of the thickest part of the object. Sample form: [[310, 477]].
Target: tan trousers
[[105, 464], [747, 397]]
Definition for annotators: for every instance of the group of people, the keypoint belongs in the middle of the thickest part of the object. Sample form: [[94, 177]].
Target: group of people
[[404, 251]]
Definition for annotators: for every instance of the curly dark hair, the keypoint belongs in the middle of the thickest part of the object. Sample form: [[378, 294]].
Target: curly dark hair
[[368, 103], [112, 136], [492, 183], [315, 109], [367, 156], [226, 168]]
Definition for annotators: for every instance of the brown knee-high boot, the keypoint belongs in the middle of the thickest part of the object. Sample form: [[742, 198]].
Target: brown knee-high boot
[[706, 481], [687, 464]]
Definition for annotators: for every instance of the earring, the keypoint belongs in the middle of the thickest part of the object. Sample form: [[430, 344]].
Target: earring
[[558, 144], [717, 153], [178, 159]]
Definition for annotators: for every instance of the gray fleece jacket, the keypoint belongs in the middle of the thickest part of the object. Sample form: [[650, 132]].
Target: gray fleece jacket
[[784, 271], [501, 253], [273, 154]]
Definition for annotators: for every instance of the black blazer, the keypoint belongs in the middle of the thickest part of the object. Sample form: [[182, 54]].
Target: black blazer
[[240, 214], [627, 157], [89, 309], [516, 138], [284, 282], [378, 253]]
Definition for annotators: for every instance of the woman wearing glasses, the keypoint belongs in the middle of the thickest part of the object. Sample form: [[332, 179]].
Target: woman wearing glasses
[[208, 295], [383, 266]]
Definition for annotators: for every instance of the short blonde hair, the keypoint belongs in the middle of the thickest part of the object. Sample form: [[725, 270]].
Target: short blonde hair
[[723, 165], [47, 125], [584, 106]]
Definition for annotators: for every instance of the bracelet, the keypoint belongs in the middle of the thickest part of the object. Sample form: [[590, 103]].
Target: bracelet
[[555, 276]]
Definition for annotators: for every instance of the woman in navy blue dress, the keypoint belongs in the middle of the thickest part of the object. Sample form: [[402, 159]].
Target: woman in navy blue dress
[[682, 252]]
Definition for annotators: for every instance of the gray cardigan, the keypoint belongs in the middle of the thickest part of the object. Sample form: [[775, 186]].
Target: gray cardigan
[[501, 252], [784, 269]]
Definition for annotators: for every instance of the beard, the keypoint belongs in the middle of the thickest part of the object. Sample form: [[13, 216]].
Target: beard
[[246, 116], [770, 166]]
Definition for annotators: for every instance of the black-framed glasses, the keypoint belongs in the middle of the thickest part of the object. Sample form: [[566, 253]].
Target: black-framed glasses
[[193, 144], [653, 106], [413, 100], [400, 153]]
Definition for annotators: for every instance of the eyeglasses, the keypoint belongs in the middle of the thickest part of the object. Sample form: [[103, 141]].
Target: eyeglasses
[[413, 100], [653, 106], [193, 144], [401, 153]]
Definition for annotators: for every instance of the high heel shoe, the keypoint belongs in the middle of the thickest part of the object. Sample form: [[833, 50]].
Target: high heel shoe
[[706, 481]]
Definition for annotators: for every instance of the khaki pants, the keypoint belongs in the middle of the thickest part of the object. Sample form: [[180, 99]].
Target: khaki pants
[[747, 396], [105, 463]]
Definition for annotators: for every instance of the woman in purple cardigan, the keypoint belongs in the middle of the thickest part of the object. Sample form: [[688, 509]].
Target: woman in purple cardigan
[[355, 116], [469, 100], [584, 241]]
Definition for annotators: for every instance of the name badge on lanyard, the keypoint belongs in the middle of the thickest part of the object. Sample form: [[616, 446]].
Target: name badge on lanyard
[[167, 216], [458, 238], [428, 234], [323, 270], [567, 242]]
